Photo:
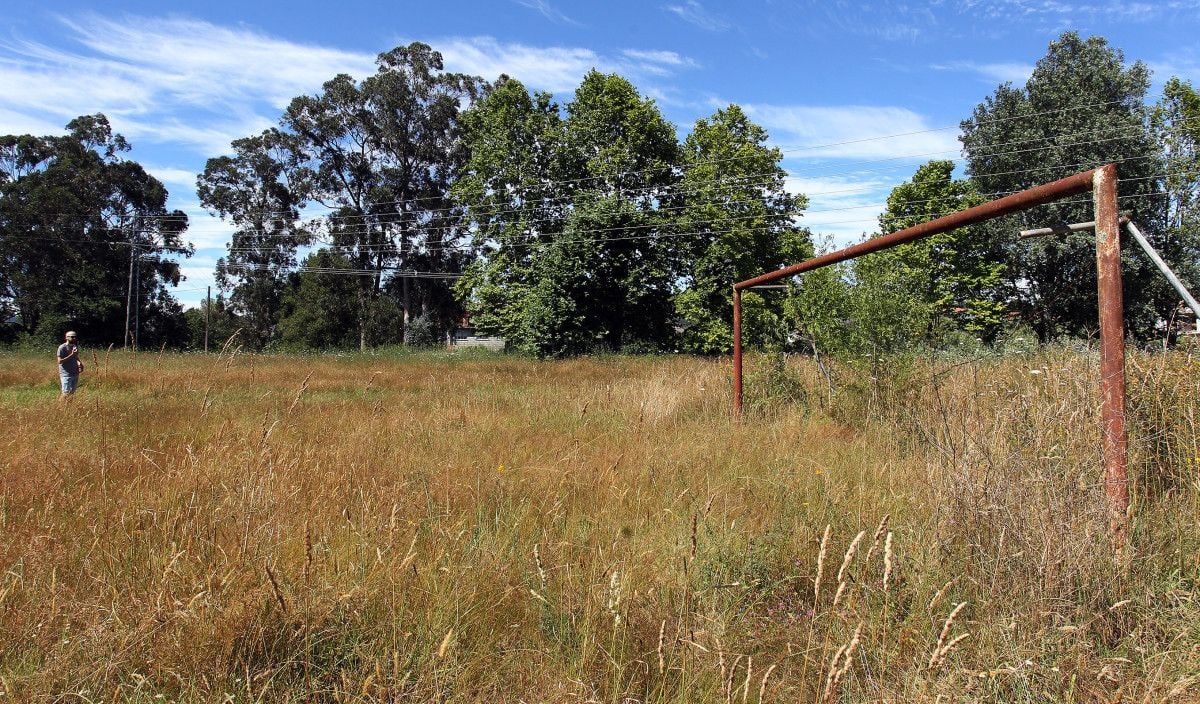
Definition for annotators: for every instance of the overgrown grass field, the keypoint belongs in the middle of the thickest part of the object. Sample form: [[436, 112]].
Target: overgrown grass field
[[428, 527]]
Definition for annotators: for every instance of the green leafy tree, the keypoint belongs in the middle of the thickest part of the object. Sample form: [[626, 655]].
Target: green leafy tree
[[957, 276], [567, 215], [220, 321], [620, 155], [320, 308], [897, 300], [253, 189], [860, 311], [381, 154], [513, 203], [1177, 124], [735, 220], [77, 223], [1081, 108], [418, 106]]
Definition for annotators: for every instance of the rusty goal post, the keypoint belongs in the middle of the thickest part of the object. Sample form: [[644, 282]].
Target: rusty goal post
[[1102, 182]]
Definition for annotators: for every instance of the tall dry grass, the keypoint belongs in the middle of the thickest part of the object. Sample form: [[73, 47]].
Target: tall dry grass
[[269, 528]]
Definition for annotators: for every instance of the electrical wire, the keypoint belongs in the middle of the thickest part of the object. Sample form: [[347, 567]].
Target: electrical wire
[[362, 272], [533, 238], [1120, 132]]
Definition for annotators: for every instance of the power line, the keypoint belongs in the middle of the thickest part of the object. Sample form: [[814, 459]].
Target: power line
[[1120, 131], [536, 237], [623, 174], [363, 272]]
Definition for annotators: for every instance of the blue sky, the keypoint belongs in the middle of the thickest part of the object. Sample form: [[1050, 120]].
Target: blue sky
[[182, 79]]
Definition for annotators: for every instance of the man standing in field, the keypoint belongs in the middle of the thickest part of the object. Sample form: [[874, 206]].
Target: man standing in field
[[69, 364]]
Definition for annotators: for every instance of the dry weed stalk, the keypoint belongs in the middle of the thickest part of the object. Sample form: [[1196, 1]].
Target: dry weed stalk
[[308, 550], [749, 674], [729, 680], [844, 655], [875, 540], [940, 655], [662, 634], [537, 561], [943, 647], [283, 606], [299, 393], [937, 598], [445, 646], [888, 561], [762, 689], [821, 563], [849, 557], [720, 658]]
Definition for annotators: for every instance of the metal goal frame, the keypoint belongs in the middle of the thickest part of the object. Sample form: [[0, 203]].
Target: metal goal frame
[[1102, 182]]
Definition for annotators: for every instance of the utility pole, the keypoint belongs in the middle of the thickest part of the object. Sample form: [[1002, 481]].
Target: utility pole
[[129, 290], [137, 302], [207, 317]]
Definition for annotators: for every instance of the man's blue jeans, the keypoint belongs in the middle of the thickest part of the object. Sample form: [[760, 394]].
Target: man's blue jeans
[[69, 381]]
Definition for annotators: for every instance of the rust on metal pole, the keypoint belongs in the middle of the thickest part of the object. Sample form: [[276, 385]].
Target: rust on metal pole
[[737, 353], [1112, 353], [1040, 195]]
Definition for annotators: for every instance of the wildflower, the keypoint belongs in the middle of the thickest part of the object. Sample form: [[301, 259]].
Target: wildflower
[[500, 469]]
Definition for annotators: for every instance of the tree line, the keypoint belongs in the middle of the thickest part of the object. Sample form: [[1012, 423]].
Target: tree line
[[591, 225], [84, 236]]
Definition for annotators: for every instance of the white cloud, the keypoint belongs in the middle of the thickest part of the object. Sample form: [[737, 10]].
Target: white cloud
[[695, 13], [1184, 66], [170, 175], [1012, 72], [63, 85], [553, 69], [206, 231], [657, 63], [547, 10], [16, 122], [1050, 17], [842, 207], [669, 58], [198, 62], [859, 132], [197, 274], [185, 81], [165, 80], [173, 178], [208, 139], [846, 159]]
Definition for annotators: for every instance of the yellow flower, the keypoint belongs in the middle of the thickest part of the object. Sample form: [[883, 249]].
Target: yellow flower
[[819, 472], [500, 469]]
